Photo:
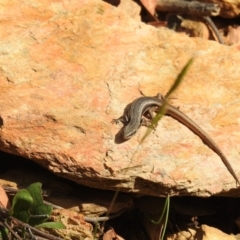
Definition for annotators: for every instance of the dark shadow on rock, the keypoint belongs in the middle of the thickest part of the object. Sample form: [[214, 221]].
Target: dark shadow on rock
[[1, 122]]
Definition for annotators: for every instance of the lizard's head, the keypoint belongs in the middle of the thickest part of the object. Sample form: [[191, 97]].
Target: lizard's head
[[128, 132]]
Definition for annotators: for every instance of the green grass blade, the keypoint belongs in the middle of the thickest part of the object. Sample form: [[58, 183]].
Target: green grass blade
[[166, 217], [162, 110], [179, 78]]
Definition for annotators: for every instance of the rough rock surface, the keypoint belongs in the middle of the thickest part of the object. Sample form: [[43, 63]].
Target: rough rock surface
[[202, 233], [69, 68]]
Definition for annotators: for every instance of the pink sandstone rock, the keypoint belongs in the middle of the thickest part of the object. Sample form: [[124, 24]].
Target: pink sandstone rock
[[69, 67]]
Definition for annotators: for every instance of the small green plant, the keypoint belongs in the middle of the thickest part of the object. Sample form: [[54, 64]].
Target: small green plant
[[29, 208], [165, 212]]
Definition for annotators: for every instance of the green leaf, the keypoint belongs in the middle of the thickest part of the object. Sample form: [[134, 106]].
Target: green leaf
[[35, 191], [42, 209], [4, 233], [22, 202], [22, 215], [40, 212], [55, 225]]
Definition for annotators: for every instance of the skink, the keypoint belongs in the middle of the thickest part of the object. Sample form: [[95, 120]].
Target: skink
[[132, 119]]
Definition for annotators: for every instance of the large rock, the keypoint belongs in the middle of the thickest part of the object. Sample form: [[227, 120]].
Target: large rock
[[69, 68]]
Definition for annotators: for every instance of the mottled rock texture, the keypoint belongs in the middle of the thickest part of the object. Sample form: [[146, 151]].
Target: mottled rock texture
[[67, 68]]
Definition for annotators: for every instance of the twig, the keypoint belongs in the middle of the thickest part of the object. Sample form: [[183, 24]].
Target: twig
[[106, 218], [204, 10], [15, 220], [10, 229], [41, 233], [191, 8]]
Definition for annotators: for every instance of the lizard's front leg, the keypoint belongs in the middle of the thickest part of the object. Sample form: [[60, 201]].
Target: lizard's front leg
[[149, 114], [124, 118]]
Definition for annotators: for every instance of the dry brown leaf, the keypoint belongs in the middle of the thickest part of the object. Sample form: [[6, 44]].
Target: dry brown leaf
[[150, 5], [4, 201], [111, 235]]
